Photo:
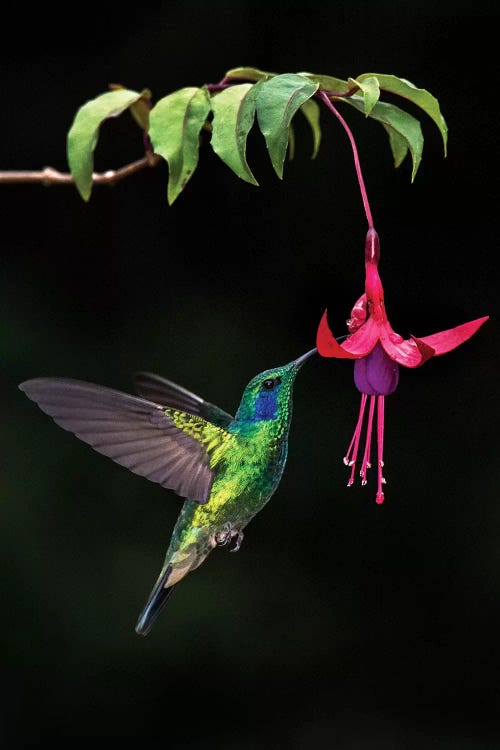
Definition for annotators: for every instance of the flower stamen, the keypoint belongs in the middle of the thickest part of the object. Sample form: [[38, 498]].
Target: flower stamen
[[366, 457], [352, 452], [379, 498]]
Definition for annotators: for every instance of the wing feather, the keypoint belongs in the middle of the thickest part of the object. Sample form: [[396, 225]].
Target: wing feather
[[163, 391], [170, 447]]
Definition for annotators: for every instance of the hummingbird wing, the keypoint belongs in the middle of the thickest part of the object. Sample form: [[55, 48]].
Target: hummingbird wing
[[165, 445], [163, 391]]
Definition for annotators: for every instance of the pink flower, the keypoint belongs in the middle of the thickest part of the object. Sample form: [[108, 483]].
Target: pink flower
[[378, 352]]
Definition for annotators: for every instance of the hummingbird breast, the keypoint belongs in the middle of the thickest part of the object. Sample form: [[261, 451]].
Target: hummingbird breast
[[251, 473], [245, 479]]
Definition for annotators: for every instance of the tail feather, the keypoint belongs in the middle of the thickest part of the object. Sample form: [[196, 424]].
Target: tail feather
[[157, 600]]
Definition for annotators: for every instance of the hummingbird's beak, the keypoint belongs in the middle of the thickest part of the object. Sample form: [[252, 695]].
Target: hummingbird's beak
[[300, 361]]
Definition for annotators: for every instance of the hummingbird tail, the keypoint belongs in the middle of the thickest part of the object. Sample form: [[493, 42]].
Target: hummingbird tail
[[157, 600]]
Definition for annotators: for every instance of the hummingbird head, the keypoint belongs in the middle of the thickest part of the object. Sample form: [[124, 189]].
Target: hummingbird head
[[268, 395]]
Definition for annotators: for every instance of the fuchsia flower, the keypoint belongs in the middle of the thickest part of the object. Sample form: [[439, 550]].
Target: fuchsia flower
[[378, 352]]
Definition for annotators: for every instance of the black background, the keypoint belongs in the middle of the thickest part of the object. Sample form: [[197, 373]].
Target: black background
[[339, 623]]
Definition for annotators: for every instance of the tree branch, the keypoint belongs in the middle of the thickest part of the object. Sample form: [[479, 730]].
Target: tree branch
[[50, 176]]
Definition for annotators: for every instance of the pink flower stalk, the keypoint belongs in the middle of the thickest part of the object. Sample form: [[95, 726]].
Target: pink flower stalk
[[378, 352]]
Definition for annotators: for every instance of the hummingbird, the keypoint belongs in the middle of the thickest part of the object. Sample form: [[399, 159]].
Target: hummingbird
[[226, 468]]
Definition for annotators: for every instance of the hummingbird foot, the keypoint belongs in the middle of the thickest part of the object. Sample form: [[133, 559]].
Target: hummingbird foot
[[239, 540], [224, 536]]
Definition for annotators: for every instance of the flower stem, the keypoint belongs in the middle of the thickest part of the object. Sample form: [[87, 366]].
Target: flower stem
[[357, 165], [225, 83]]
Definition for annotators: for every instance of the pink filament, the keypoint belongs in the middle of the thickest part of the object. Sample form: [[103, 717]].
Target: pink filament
[[380, 449], [352, 452], [366, 457]]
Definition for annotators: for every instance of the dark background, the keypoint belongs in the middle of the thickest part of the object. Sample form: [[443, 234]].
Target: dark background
[[339, 623]]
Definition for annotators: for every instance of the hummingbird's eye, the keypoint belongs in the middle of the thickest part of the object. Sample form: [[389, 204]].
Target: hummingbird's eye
[[269, 384]]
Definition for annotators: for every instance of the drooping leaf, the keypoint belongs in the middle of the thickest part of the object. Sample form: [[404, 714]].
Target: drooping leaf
[[234, 115], [277, 101], [310, 109], [175, 124], [420, 97], [399, 144], [371, 91], [84, 132], [405, 126], [139, 109], [249, 74], [329, 83]]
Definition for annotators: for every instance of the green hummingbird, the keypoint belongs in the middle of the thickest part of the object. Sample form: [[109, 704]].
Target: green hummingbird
[[225, 467]]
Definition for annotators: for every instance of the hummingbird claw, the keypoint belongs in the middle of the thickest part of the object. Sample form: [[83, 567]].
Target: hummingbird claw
[[223, 536], [239, 540]]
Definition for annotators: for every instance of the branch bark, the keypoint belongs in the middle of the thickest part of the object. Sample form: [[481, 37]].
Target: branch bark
[[50, 176]]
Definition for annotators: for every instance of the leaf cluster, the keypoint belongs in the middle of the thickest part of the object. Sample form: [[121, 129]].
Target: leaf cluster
[[229, 110]]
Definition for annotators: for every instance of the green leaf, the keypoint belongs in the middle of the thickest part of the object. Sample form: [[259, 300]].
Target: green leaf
[[278, 100], [234, 115], [250, 74], [371, 91], [420, 97], [406, 128], [329, 83], [311, 110], [174, 129], [83, 134], [399, 145], [139, 109]]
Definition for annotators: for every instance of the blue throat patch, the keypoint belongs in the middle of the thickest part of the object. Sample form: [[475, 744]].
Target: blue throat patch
[[266, 405]]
